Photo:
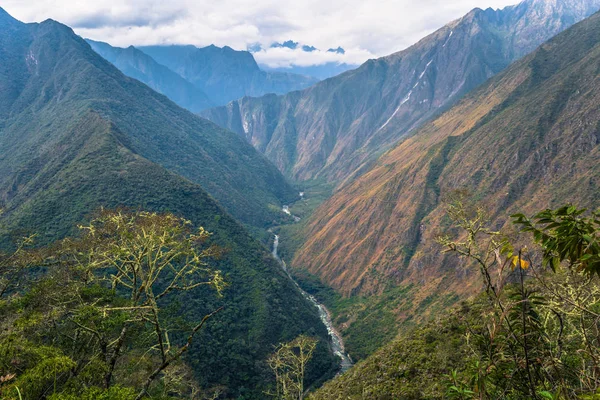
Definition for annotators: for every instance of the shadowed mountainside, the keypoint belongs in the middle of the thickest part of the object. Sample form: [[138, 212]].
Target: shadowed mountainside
[[76, 134], [51, 78], [138, 65]]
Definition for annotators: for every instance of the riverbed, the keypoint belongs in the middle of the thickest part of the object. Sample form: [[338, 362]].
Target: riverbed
[[336, 341]]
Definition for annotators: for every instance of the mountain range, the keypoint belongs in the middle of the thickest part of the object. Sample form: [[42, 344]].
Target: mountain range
[[76, 134], [42, 99], [225, 74], [499, 106], [330, 130], [200, 78], [138, 65], [526, 140]]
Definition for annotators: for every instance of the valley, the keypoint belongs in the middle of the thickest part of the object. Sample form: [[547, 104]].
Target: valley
[[180, 221], [337, 342]]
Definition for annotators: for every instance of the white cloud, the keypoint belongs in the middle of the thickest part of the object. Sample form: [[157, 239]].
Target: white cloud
[[365, 28], [284, 57]]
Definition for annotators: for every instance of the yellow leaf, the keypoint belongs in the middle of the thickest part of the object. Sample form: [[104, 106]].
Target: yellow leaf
[[516, 260]]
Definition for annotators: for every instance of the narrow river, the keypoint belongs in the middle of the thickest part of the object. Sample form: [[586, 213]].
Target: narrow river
[[337, 342]]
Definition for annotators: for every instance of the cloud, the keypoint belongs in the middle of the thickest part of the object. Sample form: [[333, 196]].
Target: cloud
[[282, 57], [364, 28]]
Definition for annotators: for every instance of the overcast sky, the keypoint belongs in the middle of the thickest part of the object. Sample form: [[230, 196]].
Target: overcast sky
[[364, 28]]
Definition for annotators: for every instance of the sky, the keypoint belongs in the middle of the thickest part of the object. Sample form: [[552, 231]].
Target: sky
[[364, 28]]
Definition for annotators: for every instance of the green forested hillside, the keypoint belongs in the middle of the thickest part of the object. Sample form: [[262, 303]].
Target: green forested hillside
[[53, 78], [76, 134]]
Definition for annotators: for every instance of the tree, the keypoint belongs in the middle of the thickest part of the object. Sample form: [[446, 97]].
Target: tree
[[13, 264], [566, 235], [102, 299], [288, 363]]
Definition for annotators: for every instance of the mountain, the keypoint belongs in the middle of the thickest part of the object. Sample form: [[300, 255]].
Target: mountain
[[526, 140], [225, 74], [77, 134], [150, 125], [138, 65], [330, 129]]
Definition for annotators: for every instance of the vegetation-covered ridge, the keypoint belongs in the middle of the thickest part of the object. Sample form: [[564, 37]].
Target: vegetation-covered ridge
[[134, 306], [53, 81], [76, 135]]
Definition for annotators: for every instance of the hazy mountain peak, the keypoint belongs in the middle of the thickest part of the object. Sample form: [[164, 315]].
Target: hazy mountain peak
[[223, 73], [339, 50]]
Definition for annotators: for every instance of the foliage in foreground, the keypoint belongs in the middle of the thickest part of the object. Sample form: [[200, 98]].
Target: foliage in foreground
[[289, 362], [92, 322]]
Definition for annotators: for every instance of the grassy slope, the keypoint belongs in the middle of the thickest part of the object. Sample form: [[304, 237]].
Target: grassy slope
[[526, 140], [415, 366]]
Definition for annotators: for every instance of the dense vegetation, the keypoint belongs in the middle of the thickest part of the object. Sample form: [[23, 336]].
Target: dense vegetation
[[532, 334], [114, 311]]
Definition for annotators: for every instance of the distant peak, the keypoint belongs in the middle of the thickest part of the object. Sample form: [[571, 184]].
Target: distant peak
[[339, 50], [290, 44]]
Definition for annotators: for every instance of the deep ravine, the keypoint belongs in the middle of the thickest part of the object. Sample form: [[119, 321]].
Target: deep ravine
[[337, 343]]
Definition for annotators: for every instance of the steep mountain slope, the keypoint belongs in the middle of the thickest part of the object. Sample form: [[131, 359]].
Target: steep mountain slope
[[138, 65], [329, 130], [526, 140], [64, 153], [53, 77], [225, 74]]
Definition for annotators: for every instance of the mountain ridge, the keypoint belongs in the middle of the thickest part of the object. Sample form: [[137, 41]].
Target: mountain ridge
[[138, 65], [331, 129], [224, 74], [153, 126], [75, 136]]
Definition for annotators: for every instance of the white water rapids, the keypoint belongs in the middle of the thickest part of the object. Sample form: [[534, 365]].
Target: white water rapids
[[337, 342]]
